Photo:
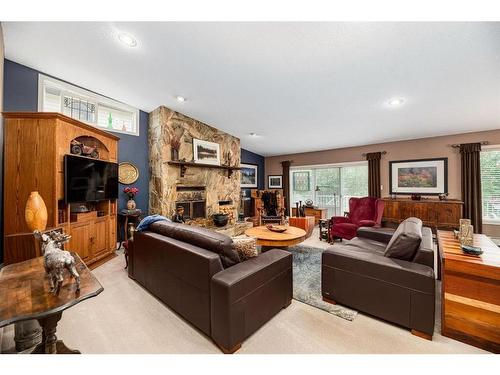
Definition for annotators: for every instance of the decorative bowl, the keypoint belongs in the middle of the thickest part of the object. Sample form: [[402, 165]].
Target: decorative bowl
[[220, 220], [471, 250], [276, 228]]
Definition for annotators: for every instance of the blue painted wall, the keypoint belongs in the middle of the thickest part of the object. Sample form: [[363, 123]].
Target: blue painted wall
[[253, 158], [21, 94]]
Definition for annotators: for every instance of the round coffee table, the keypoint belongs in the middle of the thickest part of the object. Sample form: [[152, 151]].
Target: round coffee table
[[265, 237]]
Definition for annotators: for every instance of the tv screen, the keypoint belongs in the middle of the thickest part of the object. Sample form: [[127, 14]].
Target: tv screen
[[89, 180]]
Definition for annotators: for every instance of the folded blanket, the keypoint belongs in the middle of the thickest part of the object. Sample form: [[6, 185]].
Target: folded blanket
[[148, 220]]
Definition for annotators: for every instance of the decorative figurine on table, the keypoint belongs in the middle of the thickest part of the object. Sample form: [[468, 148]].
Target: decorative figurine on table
[[131, 192], [466, 232], [179, 215], [56, 260]]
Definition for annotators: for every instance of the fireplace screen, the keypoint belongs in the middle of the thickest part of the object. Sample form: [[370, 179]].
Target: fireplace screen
[[192, 209]]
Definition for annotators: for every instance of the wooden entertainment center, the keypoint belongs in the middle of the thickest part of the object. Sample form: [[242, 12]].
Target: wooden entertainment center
[[35, 145]]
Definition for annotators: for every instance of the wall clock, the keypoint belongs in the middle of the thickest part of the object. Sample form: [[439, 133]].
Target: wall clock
[[127, 173]]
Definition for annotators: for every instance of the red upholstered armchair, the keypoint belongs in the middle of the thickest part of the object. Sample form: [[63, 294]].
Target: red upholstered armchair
[[363, 212]]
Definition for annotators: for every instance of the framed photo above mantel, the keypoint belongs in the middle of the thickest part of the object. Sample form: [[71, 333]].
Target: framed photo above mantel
[[205, 152], [275, 182], [420, 176], [249, 175]]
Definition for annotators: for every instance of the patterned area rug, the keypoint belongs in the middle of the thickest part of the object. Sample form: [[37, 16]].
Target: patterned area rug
[[307, 281]]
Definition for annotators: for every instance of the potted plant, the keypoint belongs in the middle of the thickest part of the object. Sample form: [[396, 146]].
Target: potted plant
[[131, 192], [175, 144]]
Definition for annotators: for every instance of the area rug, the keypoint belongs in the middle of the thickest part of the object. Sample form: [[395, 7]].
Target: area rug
[[307, 281]]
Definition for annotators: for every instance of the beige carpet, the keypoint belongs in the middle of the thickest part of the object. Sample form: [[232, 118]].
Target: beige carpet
[[127, 319]]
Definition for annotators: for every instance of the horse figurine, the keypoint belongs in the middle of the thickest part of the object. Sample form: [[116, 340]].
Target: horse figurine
[[55, 259]]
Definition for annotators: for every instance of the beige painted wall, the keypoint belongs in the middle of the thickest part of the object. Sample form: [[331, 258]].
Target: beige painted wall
[[402, 150]]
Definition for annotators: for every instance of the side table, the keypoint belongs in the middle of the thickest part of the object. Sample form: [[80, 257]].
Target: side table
[[306, 223], [25, 295], [324, 234], [132, 218]]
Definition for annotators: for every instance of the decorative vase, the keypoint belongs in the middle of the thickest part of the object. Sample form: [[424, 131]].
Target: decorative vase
[[35, 212], [174, 153], [131, 205]]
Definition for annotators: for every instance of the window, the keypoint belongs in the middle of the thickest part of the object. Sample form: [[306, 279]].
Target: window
[[490, 184], [330, 187], [86, 106]]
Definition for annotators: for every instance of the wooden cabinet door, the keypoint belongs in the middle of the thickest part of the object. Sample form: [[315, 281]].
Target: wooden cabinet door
[[405, 210], [100, 236], [80, 240], [390, 210], [426, 211], [112, 233], [449, 214]]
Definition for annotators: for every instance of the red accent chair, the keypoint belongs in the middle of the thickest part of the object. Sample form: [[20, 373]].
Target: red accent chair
[[363, 212]]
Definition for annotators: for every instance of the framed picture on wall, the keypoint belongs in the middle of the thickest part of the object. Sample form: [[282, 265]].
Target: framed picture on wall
[[206, 152], [249, 175], [422, 176], [275, 182], [301, 181]]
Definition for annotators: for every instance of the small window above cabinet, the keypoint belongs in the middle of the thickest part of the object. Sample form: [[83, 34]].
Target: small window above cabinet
[[91, 108]]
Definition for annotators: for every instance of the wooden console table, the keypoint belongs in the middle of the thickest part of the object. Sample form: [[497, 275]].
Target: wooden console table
[[25, 295], [470, 292], [318, 213]]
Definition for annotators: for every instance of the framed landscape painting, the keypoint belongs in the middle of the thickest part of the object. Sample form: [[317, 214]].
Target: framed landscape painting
[[275, 182], [249, 174], [206, 152], [422, 176]]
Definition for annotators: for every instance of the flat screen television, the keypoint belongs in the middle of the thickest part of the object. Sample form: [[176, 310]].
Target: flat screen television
[[89, 180]]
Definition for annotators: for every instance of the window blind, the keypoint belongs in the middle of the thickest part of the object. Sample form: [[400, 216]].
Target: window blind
[[490, 184]]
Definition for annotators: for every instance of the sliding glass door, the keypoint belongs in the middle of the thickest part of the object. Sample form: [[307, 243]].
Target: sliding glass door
[[329, 186]]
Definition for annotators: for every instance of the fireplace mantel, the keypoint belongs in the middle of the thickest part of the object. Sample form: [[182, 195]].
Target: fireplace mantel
[[183, 165]]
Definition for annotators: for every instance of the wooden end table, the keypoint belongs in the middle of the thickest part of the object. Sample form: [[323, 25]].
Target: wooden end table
[[25, 295], [307, 223], [128, 217], [470, 292], [270, 239]]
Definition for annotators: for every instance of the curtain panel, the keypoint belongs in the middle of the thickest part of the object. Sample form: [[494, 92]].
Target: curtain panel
[[471, 184], [374, 173], [286, 184]]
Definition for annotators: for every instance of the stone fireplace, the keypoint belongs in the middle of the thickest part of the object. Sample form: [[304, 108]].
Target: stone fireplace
[[202, 190]]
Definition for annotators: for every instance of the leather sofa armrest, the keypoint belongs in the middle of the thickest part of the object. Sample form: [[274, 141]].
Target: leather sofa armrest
[[371, 265], [376, 234], [247, 295]]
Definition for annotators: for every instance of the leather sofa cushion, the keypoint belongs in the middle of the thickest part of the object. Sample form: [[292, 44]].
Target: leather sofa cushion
[[405, 240], [205, 238]]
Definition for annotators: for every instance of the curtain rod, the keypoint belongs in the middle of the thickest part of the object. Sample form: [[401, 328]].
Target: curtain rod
[[364, 153], [483, 143]]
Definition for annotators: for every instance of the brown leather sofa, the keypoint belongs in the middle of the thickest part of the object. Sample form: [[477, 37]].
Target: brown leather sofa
[[196, 272], [358, 274]]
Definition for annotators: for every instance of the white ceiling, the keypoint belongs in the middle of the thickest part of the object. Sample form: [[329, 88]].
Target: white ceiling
[[300, 86]]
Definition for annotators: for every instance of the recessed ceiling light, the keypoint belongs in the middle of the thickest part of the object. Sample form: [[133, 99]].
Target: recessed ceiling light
[[395, 102], [127, 39], [180, 99], [253, 135]]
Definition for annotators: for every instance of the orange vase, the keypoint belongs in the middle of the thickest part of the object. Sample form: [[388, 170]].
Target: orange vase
[[35, 213]]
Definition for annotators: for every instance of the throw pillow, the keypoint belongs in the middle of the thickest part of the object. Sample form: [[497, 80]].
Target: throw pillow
[[406, 240], [246, 247]]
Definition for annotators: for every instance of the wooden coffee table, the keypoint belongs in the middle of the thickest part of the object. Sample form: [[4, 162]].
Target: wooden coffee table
[[265, 237]]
